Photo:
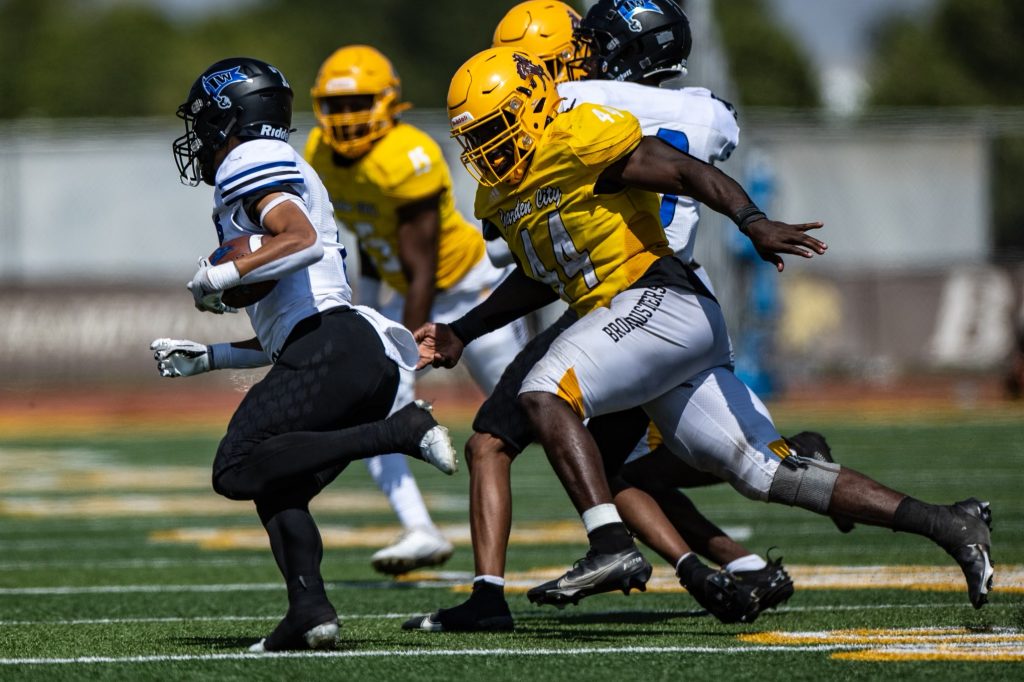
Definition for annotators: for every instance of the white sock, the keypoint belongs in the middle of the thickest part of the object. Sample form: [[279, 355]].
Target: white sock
[[751, 562], [392, 476], [601, 515], [490, 580]]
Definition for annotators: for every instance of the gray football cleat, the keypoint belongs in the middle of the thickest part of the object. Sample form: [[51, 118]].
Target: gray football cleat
[[593, 574], [974, 556]]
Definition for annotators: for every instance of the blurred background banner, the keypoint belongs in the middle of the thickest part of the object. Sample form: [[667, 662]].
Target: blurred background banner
[[899, 124]]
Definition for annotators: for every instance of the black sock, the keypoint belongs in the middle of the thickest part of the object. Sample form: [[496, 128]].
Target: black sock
[[296, 543], [610, 538], [487, 594], [693, 572], [936, 522]]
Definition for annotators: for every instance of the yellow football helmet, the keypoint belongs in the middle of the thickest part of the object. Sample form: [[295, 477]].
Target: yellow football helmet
[[499, 103], [356, 99], [544, 28]]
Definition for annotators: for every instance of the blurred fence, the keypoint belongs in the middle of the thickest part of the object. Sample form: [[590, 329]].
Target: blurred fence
[[97, 238]]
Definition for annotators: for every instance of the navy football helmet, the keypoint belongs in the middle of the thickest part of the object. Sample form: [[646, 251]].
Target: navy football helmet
[[634, 40], [236, 97]]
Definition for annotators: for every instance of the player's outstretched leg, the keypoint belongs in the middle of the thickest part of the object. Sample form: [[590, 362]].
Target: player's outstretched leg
[[273, 462]]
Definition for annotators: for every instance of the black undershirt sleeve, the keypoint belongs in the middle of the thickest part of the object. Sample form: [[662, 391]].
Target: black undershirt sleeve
[[516, 296]]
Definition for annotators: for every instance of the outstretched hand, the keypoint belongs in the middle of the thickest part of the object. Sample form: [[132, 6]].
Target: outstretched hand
[[438, 346], [772, 238]]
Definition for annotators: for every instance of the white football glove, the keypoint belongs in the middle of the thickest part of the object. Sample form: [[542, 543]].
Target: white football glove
[[206, 296], [180, 357]]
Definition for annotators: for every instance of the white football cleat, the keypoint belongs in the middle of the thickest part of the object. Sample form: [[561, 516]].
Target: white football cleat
[[436, 446], [415, 548]]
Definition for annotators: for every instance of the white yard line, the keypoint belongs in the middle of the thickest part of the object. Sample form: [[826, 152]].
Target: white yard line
[[122, 589], [133, 563], [533, 615], [424, 653]]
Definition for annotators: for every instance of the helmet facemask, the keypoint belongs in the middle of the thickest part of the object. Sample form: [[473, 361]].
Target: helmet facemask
[[496, 148], [195, 150], [352, 123]]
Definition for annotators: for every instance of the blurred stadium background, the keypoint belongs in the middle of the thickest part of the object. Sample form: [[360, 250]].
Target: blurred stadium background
[[898, 124]]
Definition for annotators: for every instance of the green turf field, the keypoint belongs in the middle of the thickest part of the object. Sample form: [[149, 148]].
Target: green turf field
[[118, 562]]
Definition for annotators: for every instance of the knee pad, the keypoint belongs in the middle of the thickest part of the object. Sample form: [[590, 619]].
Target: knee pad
[[803, 482]]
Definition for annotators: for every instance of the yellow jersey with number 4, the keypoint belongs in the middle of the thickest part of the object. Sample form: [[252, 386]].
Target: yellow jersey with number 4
[[405, 166], [587, 246]]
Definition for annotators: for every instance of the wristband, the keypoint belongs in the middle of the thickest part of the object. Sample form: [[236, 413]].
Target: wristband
[[223, 276], [226, 356], [468, 328], [746, 215]]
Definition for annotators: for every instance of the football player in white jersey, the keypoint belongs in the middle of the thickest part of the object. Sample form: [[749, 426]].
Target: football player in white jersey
[[326, 401]]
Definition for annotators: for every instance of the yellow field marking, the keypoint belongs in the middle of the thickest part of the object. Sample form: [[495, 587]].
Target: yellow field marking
[[198, 504], [905, 644], [966, 653], [342, 537]]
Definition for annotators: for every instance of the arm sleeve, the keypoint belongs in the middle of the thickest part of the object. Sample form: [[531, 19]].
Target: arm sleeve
[[517, 295]]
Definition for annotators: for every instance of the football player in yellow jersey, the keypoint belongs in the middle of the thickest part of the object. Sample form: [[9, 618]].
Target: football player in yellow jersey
[[559, 187], [390, 185]]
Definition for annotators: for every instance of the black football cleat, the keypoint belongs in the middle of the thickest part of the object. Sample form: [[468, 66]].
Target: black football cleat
[[772, 583], [593, 574], [466, 617], [314, 631], [813, 445], [973, 554], [726, 597]]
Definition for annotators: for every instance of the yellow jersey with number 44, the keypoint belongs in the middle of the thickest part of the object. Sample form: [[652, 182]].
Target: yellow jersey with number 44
[[587, 246], [404, 167]]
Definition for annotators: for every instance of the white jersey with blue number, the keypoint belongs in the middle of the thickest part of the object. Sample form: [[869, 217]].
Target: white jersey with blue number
[[692, 120], [250, 170]]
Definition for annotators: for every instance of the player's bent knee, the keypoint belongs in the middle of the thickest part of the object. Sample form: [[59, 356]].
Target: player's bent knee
[[538, 403], [484, 448], [804, 482], [232, 485]]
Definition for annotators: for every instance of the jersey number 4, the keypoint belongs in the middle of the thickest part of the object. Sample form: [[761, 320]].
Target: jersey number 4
[[568, 258]]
